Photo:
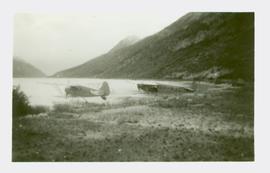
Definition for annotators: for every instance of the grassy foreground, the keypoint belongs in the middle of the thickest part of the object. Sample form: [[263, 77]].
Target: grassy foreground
[[213, 124]]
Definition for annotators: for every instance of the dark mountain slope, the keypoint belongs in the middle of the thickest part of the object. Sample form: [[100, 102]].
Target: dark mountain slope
[[196, 45], [24, 69], [128, 41]]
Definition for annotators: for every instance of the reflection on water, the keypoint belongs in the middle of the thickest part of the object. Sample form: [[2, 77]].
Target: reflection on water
[[46, 91]]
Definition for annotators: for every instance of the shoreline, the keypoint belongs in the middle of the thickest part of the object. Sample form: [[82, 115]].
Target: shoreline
[[210, 125]]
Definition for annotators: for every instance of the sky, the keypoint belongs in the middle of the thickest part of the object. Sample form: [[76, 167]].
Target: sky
[[56, 41]]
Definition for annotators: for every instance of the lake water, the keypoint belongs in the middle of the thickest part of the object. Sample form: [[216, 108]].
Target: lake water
[[47, 91]]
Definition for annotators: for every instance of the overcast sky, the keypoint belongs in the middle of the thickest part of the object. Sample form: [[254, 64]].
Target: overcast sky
[[56, 41]]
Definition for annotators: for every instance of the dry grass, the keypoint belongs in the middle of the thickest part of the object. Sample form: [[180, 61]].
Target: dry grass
[[209, 125]]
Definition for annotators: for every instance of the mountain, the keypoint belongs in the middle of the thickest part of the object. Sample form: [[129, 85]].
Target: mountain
[[23, 69], [198, 45], [128, 41]]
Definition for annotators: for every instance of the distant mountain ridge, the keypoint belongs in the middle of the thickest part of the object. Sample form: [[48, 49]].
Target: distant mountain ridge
[[21, 68], [198, 45], [128, 41]]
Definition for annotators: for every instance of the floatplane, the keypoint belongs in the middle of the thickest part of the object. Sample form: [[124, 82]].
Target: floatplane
[[83, 91], [162, 88]]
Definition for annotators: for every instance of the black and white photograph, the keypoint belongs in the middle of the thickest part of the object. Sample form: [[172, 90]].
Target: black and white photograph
[[183, 93]]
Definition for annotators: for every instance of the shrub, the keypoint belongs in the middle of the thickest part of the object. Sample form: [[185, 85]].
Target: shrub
[[21, 105]]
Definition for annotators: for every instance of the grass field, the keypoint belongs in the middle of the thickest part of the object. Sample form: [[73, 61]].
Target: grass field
[[213, 124]]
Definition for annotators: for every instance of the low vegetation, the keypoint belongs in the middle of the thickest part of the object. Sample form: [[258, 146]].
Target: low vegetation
[[213, 124]]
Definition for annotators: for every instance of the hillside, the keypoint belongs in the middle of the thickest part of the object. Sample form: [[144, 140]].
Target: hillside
[[23, 69], [198, 45], [128, 41]]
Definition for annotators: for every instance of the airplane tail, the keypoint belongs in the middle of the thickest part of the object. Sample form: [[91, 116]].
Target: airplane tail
[[104, 90]]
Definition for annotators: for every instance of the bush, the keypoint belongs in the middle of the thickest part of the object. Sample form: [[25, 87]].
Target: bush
[[21, 105]]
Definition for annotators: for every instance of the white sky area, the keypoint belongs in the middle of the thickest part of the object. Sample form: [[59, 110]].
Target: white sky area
[[56, 41]]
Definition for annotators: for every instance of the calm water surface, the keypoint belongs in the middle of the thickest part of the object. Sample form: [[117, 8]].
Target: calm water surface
[[47, 91]]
